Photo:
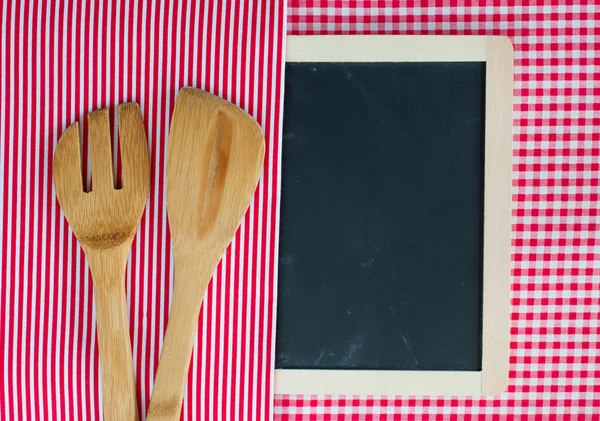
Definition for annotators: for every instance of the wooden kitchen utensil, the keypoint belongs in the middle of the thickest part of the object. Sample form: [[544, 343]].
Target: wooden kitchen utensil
[[105, 221], [214, 159]]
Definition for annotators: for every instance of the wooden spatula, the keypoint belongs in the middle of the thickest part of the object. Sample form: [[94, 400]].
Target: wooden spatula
[[214, 159], [104, 221]]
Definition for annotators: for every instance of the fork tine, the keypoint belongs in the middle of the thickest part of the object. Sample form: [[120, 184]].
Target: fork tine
[[100, 150], [66, 165], [134, 149]]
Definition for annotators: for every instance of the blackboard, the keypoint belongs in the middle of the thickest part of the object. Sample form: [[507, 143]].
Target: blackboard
[[381, 219]]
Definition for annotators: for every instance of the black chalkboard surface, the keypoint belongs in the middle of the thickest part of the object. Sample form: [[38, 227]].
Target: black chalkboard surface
[[381, 223]]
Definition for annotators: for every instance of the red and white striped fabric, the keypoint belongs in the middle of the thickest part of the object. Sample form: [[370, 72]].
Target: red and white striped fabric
[[59, 60], [555, 342]]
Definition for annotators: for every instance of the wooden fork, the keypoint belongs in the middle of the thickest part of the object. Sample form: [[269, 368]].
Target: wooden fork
[[105, 221]]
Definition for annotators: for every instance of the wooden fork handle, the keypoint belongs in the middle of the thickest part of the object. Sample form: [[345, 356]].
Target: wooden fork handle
[[116, 365]]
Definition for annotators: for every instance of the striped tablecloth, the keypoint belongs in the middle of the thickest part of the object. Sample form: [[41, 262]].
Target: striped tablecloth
[[59, 60]]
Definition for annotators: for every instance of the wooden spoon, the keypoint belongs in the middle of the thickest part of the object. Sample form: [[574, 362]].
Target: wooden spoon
[[214, 159], [104, 221]]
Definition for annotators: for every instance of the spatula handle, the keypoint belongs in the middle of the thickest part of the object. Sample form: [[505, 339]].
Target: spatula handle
[[173, 367], [116, 365]]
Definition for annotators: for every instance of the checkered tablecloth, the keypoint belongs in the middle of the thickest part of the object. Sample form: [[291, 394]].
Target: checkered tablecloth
[[555, 328], [60, 59]]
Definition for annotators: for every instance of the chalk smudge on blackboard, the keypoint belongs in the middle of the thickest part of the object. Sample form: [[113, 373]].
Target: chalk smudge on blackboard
[[367, 264], [352, 351], [410, 350], [320, 357], [287, 259]]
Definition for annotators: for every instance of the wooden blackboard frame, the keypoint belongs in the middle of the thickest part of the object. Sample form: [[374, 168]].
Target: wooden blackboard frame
[[497, 53]]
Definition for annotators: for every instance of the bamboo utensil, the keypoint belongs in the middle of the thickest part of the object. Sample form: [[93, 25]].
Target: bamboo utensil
[[105, 221], [214, 159]]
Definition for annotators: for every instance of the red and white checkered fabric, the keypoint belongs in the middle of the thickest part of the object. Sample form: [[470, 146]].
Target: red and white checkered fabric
[[60, 59], [555, 329]]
